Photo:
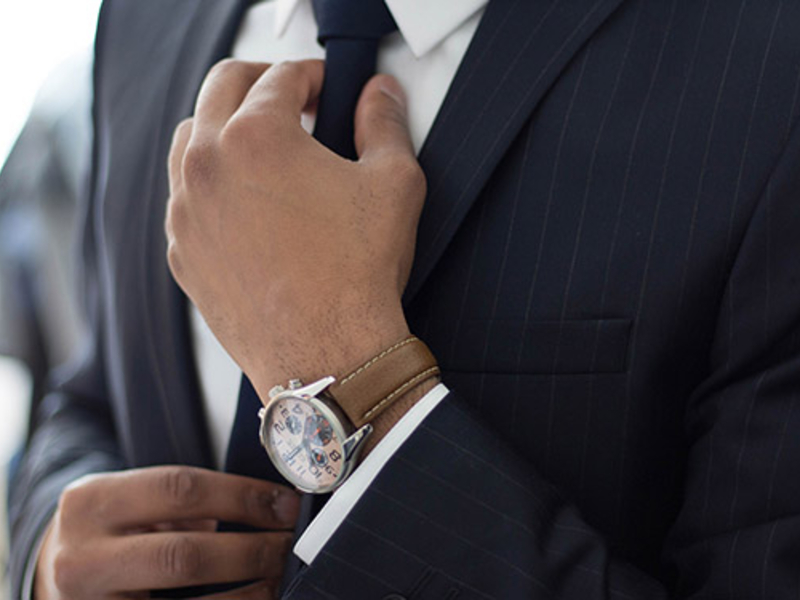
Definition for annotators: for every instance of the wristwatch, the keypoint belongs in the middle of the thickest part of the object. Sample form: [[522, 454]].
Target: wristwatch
[[314, 433]]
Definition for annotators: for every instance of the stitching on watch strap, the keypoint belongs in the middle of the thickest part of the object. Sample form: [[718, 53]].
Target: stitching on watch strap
[[374, 360], [400, 390]]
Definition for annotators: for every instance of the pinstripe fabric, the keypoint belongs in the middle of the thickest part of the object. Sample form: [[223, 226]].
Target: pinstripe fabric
[[607, 270], [645, 189]]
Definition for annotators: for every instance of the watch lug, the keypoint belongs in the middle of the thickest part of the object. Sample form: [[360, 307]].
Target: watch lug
[[316, 388], [355, 443]]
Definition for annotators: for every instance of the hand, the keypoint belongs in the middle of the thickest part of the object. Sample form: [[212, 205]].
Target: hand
[[119, 535], [296, 257]]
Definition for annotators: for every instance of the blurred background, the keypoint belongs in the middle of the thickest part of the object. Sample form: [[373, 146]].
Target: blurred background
[[45, 137]]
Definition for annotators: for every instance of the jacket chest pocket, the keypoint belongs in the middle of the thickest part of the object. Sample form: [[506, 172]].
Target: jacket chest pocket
[[513, 346]]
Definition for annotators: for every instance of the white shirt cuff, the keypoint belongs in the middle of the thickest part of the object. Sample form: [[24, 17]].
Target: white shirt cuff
[[344, 499]]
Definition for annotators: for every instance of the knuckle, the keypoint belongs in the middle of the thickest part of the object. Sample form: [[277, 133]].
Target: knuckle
[[386, 112], [265, 556], [168, 220], [419, 183], [180, 486], [180, 558], [237, 132], [253, 502], [199, 165], [67, 573], [76, 497], [174, 260], [227, 67], [290, 68], [184, 128], [70, 502], [177, 216], [237, 72], [408, 174], [261, 505], [380, 110], [270, 555], [250, 134]]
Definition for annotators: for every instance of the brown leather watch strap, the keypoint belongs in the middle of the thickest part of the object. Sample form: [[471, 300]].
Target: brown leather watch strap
[[372, 387]]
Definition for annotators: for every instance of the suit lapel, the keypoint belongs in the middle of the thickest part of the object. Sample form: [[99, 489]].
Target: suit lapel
[[517, 53], [206, 32]]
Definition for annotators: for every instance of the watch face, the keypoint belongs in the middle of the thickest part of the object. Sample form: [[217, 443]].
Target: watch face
[[305, 443]]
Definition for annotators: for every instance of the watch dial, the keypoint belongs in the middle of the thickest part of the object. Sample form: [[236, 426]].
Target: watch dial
[[305, 442]]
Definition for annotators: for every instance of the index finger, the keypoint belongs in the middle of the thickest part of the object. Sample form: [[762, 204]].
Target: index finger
[[286, 89], [137, 497]]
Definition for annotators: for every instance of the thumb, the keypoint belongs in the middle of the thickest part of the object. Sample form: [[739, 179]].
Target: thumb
[[381, 119]]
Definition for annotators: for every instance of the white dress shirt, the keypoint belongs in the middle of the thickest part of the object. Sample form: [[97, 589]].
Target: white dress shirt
[[424, 56]]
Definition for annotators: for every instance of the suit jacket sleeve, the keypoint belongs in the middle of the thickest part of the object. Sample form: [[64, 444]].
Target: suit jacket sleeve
[[456, 513], [74, 433]]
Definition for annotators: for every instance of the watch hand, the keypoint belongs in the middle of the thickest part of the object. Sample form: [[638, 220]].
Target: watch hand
[[307, 447]]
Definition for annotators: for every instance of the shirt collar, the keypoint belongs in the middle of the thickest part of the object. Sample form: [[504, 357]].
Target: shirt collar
[[424, 24]]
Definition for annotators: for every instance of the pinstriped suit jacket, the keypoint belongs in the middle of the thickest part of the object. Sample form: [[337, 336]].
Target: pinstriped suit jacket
[[607, 270]]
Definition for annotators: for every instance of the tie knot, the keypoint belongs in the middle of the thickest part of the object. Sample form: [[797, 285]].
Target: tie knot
[[352, 19]]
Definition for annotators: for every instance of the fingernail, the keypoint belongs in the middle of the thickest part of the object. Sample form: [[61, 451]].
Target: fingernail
[[286, 506], [390, 86]]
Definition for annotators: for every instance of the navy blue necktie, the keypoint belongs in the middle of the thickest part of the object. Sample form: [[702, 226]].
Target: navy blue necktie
[[350, 31]]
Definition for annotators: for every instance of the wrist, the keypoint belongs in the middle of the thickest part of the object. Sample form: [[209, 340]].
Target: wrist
[[314, 431], [334, 342]]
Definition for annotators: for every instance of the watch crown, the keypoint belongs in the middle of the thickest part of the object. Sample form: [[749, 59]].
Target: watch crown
[[295, 384], [276, 390]]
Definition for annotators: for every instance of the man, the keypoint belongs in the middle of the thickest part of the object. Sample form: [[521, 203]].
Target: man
[[605, 268]]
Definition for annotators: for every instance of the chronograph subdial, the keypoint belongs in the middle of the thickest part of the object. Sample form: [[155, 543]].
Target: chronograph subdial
[[318, 457], [318, 430]]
